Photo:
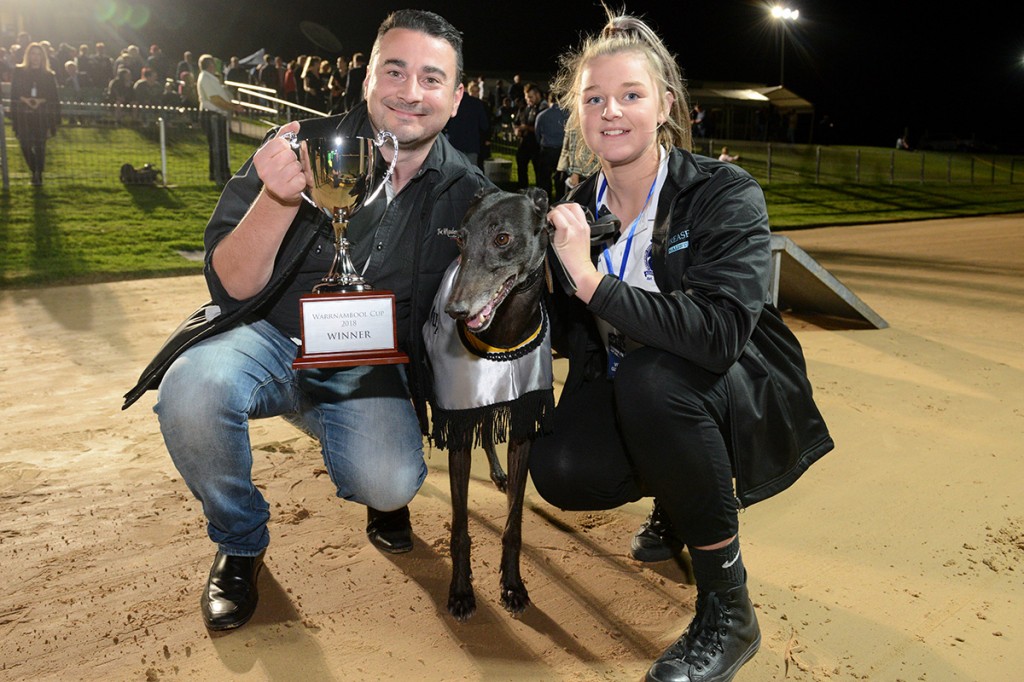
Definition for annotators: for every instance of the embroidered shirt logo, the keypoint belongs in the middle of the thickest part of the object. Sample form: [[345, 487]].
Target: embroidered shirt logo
[[648, 270], [679, 241]]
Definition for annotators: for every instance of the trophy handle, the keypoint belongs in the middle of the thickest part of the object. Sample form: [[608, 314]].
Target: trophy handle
[[382, 137], [296, 145]]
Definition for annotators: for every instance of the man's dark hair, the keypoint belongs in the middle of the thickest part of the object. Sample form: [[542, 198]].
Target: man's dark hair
[[425, 22]]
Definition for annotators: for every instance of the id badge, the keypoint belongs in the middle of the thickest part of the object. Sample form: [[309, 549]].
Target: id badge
[[616, 351]]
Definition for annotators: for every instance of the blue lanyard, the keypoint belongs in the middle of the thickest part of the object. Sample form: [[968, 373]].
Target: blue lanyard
[[632, 228]]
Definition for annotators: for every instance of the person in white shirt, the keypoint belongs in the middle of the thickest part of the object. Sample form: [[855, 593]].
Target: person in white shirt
[[727, 157], [215, 108]]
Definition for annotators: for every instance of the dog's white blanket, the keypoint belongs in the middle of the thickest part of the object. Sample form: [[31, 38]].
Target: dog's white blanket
[[473, 382]]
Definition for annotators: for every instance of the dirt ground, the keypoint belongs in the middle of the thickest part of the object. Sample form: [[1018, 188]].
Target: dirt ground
[[896, 557]]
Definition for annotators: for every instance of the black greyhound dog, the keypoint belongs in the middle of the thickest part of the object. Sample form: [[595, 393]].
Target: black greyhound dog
[[489, 345]]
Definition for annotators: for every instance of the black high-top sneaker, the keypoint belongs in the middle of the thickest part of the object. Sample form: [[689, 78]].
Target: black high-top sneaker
[[653, 541], [721, 638]]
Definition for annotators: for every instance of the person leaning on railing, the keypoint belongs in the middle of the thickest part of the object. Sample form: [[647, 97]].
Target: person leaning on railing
[[215, 106]]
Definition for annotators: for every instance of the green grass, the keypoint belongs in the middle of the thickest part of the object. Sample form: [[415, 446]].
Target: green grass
[[94, 155], [67, 234], [798, 205], [85, 226]]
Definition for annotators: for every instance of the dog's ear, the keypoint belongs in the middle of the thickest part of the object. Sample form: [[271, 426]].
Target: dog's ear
[[484, 191], [539, 198]]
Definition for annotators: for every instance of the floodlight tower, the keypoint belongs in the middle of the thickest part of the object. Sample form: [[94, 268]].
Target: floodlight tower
[[783, 15]]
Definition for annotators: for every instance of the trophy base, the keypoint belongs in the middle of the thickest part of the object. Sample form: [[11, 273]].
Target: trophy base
[[395, 357], [348, 329]]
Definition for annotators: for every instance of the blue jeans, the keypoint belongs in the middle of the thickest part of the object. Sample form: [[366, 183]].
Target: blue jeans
[[368, 432]]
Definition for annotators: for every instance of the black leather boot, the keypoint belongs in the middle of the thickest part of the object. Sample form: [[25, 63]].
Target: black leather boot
[[391, 531], [721, 638], [653, 541], [230, 597]]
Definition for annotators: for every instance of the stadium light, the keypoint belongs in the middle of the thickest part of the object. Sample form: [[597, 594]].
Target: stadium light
[[782, 15]]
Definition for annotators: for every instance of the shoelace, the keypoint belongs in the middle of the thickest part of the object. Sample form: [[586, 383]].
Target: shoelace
[[707, 640], [703, 639]]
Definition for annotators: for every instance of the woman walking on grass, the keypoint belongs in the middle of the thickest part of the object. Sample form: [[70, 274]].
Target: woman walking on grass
[[35, 110]]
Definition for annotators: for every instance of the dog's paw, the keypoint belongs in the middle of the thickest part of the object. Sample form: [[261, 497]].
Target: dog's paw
[[461, 605], [500, 480], [515, 598]]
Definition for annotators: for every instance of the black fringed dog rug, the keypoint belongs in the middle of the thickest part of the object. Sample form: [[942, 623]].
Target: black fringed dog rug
[[508, 389]]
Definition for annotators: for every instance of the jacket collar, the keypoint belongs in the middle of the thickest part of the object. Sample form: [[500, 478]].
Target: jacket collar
[[684, 172]]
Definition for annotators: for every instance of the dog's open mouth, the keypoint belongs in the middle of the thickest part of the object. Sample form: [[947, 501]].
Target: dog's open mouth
[[480, 320]]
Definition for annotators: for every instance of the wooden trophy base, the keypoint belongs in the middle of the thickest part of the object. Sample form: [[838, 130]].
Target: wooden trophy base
[[349, 360], [348, 329]]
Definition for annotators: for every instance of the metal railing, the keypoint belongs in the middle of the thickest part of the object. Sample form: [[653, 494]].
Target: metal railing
[[96, 139], [794, 163]]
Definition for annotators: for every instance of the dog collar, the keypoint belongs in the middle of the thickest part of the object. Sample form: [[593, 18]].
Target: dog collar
[[478, 347]]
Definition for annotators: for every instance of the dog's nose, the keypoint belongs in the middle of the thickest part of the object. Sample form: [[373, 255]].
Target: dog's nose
[[457, 310]]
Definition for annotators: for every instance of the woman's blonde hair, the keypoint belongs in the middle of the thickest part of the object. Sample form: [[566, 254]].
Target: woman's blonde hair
[[626, 33], [42, 50]]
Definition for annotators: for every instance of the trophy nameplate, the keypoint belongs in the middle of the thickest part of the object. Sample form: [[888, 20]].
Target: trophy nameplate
[[345, 322], [348, 329]]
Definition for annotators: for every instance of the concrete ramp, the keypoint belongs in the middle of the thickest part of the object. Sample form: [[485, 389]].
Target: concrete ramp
[[799, 283]]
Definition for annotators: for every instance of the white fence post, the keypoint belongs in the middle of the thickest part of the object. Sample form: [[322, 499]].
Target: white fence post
[[3, 150], [163, 149]]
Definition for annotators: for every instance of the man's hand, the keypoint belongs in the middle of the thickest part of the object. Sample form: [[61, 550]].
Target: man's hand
[[279, 169]]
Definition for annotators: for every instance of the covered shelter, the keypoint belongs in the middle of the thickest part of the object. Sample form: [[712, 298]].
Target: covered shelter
[[750, 111]]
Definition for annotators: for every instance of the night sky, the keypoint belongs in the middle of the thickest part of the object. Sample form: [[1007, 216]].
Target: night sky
[[874, 68]]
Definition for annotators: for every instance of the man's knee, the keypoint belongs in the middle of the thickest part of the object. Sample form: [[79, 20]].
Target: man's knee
[[194, 390], [394, 491]]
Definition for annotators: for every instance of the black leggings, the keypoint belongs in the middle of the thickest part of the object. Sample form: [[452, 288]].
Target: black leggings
[[657, 430], [33, 148]]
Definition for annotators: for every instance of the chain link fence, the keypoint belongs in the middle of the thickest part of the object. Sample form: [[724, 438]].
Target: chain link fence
[[796, 163], [95, 140]]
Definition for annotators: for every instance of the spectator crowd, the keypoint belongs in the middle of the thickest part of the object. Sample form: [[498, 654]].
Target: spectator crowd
[[521, 116]]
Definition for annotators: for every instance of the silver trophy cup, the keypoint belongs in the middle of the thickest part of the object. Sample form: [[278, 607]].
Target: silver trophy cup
[[344, 321], [341, 171]]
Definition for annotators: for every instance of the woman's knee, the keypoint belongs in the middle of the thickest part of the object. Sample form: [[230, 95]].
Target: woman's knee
[[576, 482], [554, 479]]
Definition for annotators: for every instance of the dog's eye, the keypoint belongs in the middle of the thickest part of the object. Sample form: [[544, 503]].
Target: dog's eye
[[502, 239]]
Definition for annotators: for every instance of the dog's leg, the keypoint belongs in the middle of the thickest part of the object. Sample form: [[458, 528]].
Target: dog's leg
[[514, 596], [461, 601], [497, 473]]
